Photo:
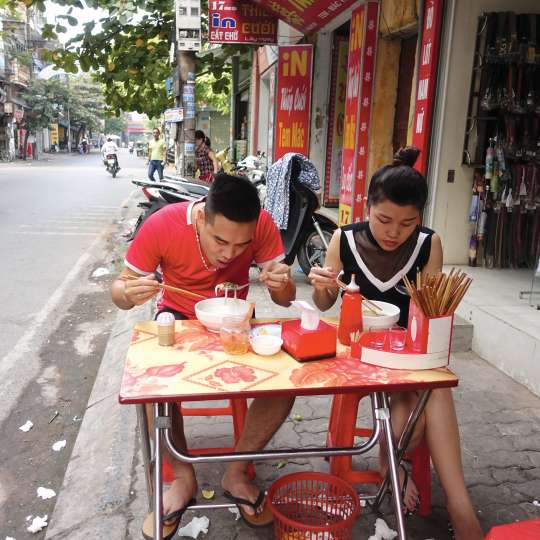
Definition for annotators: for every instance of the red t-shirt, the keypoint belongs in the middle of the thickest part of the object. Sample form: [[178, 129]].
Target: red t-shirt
[[167, 239]]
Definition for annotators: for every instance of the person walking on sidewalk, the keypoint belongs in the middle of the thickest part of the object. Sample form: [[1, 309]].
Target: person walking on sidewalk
[[156, 156], [380, 252], [205, 159], [197, 246]]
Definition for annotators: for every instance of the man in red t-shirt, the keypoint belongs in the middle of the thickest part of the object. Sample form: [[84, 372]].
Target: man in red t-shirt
[[198, 246]]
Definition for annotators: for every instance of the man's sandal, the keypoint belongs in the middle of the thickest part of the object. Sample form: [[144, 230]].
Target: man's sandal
[[264, 518], [406, 511], [168, 530]]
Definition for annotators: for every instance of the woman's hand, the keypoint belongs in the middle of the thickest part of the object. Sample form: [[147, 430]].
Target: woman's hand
[[323, 279], [140, 290]]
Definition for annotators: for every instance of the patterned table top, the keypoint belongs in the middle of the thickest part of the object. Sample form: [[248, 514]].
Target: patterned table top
[[197, 368]]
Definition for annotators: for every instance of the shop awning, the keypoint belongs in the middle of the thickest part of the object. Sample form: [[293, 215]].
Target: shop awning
[[307, 16]]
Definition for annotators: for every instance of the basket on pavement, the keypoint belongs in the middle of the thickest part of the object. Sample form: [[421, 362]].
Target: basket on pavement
[[312, 506]]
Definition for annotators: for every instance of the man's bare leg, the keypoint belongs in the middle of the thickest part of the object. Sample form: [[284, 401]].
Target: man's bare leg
[[184, 486], [442, 435], [401, 405], [264, 418]]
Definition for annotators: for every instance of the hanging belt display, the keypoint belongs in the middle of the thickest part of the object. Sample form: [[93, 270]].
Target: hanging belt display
[[502, 142]]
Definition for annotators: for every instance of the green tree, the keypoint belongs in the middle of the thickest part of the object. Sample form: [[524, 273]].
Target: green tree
[[128, 52], [206, 96], [115, 125], [47, 99]]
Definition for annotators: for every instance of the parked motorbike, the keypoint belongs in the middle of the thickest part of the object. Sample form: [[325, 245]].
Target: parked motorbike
[[111, 164], [253, 167], [306, 238]]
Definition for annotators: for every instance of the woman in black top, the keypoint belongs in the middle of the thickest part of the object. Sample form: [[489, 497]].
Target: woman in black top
[[380, 252]]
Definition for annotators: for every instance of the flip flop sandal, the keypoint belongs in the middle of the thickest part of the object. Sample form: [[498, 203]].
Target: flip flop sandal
[[406, 474], [261, 519], [168, 530]]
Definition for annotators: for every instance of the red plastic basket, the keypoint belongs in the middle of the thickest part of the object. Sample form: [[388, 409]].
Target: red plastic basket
[[313, 506]]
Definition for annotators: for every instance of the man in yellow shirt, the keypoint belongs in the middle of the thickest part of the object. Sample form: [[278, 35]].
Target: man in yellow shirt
[[156, 156]]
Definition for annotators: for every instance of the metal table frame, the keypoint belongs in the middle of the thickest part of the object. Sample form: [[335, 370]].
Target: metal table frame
[[381, 424]]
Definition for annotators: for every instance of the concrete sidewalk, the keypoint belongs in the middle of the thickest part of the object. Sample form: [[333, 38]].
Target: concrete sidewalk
[[104, 497]]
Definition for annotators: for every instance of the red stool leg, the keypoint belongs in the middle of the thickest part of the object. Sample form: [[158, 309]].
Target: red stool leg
[[421, 474]]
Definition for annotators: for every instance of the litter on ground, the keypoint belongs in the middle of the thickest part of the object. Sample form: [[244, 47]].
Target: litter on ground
[[38, 523], [58, 445], [45, 493], [236, 513], [101, 271], [27, 426], [383, 531], [194, 527]]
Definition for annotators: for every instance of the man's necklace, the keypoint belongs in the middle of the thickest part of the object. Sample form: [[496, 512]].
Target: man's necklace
[[208, 269]]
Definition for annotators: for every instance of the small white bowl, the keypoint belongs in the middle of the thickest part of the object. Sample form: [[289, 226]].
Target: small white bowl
[[212, 311], [387, 319], [266, 345]]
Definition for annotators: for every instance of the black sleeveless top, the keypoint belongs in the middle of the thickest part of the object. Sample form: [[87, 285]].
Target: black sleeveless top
[[361, 255]]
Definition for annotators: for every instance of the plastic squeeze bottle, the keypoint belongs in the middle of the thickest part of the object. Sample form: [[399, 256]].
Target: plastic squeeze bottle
[[350, 319]]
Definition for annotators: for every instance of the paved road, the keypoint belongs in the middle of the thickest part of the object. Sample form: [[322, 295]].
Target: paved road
[[60, 219]]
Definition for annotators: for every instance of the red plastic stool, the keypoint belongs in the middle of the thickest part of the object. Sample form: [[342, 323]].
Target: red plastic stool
[[237, 409], [342, 430], [526, 530]]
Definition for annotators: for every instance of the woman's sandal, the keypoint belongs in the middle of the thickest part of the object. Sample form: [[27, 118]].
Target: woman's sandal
[[406, 511], [168, 530], [262, 519]]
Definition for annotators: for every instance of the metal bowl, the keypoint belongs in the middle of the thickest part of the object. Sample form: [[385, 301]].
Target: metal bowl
[[212, 311]]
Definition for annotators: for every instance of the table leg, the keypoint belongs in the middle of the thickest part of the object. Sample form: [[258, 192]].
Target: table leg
[[158, 481], [146, 451], [382, 412], [404, 441]]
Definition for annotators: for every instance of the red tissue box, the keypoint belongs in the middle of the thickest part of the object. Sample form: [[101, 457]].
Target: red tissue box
[[305, 344]]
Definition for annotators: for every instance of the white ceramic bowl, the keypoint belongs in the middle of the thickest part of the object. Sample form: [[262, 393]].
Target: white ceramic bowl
[[212, 311], [388, 318], [266, 345]]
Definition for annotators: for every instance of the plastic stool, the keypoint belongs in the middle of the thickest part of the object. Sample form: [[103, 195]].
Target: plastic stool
[[525, 530], [342, 430], [237, 409]]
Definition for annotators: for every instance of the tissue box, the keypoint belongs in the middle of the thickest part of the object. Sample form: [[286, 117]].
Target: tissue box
[[307, 345]]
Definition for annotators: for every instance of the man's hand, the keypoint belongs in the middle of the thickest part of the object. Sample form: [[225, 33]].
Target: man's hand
[[323, 279], [140, 290], [276, 276]]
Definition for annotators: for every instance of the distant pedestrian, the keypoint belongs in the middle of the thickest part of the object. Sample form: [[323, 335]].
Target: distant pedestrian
[[156, 156], [205, 159]]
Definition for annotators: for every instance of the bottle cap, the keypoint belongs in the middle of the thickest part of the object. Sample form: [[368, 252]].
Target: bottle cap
[[352, 286], [165, 319]]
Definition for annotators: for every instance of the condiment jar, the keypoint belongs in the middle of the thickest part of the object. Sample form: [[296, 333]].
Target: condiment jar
[[350, 319], [234, 334], [165, 324]]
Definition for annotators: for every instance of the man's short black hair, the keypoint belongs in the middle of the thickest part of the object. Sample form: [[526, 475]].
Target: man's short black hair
[[234, 197]]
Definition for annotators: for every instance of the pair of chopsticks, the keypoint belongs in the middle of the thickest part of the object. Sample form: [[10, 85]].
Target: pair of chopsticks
[[178, 290], [440, 294]]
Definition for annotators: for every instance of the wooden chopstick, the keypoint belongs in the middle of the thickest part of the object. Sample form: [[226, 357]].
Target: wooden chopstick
[[178, 290]]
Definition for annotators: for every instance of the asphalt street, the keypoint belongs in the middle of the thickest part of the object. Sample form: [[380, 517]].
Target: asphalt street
[[60, 218]]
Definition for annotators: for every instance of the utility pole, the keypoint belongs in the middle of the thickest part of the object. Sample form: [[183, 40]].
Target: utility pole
[[186, 70], [188, 41]]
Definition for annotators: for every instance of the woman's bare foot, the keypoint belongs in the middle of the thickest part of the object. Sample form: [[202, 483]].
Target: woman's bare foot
[[236, 482], [182, 490], [410, 491]]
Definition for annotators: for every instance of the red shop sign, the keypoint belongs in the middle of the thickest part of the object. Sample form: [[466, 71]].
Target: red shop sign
[[306, 15], [360, 75], [293, 100], [240, 21], [427, 80]]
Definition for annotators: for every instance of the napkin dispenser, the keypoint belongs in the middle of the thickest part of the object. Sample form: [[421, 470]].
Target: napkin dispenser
[[308, 338]]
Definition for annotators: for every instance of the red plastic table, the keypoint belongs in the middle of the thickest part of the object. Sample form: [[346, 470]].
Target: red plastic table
[[196, 368]]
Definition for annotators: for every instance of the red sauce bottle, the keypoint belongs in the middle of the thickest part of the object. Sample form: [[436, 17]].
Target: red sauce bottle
[[350, 319]]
